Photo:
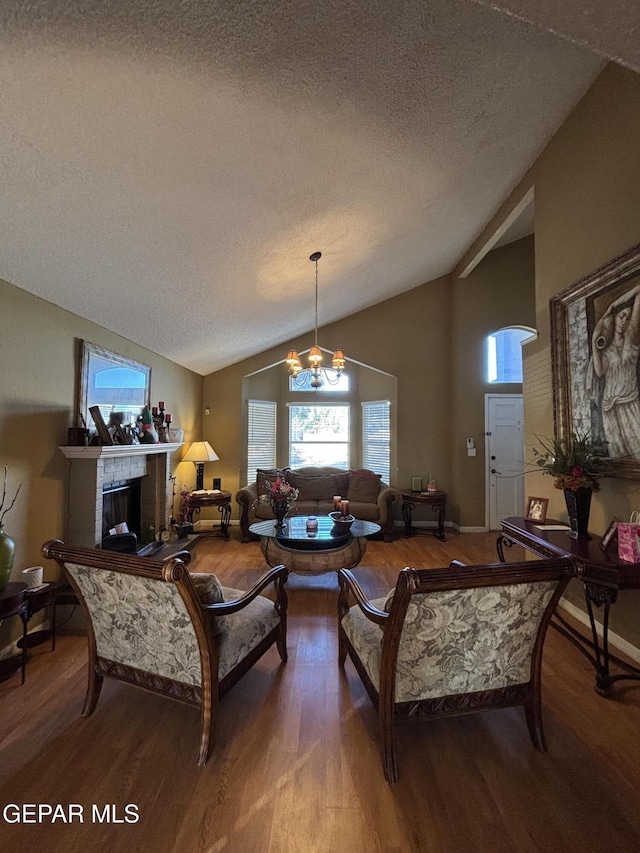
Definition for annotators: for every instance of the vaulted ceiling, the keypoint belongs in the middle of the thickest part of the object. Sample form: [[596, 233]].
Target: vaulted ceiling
[[167, 168]]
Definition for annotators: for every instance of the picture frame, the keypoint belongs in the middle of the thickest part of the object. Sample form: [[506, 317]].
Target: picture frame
[[585, 319], [610, 535], [416, 484], [112, 382], [536, 509], [101, 427]]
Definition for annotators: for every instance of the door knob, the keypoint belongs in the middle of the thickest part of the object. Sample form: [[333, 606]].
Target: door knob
[[493, 471]]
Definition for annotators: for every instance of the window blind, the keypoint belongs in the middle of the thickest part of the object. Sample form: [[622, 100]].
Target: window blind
[[376, 437], [261, 440]]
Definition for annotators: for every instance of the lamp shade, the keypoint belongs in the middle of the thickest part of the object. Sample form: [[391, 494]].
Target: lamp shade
[[200, 451]]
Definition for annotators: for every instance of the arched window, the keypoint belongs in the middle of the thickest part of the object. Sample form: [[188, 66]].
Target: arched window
[[504, 353]]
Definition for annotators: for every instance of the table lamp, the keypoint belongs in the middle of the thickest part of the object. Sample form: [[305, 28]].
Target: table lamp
[[199, 453]]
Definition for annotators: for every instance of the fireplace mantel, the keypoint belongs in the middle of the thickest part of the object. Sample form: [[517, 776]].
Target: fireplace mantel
[[106, 451], [92, 468]]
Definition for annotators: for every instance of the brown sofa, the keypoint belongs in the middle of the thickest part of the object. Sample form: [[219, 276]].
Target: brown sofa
[[369, 498]]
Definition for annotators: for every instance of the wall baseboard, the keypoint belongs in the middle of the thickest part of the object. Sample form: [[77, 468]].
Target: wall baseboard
[[614, 639], [432, 525]]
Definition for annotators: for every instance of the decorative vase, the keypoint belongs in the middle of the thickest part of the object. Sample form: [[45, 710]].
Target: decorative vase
[[280, 510], [578, 505], [7, 553]]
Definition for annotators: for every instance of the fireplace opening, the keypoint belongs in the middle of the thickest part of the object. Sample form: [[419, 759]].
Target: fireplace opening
[[121, 503]]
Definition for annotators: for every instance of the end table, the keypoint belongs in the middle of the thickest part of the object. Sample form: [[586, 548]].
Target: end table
[[436, 500], [37, 599], [13, 602], [220, 499]]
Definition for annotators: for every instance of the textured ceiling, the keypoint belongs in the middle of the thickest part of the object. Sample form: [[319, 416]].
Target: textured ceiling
[[167, 168]]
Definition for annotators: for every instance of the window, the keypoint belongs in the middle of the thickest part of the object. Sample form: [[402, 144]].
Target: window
[[261, 451], [504, 354], [319, 435], [376, 438], [303, 383]]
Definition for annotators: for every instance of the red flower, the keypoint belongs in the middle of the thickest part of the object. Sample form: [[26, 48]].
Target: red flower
[[577, 471]]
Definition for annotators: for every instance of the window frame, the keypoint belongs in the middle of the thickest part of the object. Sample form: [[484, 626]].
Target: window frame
[[324, 405]]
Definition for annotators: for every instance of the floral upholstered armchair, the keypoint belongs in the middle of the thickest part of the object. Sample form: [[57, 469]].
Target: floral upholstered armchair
[[451, 641], [156, 626]]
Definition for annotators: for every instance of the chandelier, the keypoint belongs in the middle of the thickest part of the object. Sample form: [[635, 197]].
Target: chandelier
[[315, 375]]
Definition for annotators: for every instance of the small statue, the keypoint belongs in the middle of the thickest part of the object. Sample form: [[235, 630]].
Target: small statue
[[149, 434]]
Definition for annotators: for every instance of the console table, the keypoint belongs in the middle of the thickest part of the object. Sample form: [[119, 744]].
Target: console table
[[436, 500], [603, 576]]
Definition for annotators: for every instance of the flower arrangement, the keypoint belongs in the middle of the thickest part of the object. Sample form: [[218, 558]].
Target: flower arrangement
[[4, 511], [573, 462], [279, 491], [185, 494]]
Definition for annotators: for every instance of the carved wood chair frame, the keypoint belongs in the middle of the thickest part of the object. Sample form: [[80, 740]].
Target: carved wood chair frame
[[174, 570], [458, 576]]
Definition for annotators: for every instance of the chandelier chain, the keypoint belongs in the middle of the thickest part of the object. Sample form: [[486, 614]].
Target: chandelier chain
[[316, 335]]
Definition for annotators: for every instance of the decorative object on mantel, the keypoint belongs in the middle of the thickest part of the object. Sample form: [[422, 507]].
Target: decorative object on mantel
[[148, 433], [162, 422], [199, 453], [315, 371], [576, 466], [103, 432], [7, 545]]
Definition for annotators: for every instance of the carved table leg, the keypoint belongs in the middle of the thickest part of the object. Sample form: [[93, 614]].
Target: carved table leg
[[225, 518], [440, 508], [600, 596], [501, 541], [407, 509]]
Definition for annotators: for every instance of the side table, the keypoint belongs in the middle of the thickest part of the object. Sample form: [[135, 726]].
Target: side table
[[436, 500], [220, 499], [13, 602], [37, 599]]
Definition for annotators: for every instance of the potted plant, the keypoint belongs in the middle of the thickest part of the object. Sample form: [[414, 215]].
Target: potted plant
[[575, 466], [7, 545]]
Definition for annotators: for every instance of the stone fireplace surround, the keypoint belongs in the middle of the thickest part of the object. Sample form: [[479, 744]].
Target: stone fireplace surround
[[91, 468]]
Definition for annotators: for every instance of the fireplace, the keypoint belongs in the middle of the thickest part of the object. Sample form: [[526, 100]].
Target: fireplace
[[96, 474], [121, 503]]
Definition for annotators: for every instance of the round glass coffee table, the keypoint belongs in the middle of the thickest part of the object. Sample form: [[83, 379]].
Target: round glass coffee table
[[313, 554]]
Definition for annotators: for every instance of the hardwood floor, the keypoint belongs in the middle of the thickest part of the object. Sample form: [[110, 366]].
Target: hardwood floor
[[296, 764]]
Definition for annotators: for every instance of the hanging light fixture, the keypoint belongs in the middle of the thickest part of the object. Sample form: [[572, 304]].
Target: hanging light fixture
[[315, 375]]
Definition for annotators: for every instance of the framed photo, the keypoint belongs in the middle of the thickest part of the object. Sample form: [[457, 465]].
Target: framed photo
[[595, 343], [103, 432], [610, 535], [536, 509]]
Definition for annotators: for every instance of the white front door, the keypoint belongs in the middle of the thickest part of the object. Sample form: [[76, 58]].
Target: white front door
[[504, 447]]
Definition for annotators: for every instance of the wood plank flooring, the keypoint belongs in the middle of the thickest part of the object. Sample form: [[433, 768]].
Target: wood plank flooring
[[296, 764]]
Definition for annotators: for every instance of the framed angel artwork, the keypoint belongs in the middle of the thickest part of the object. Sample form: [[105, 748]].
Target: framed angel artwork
[[595, 345]]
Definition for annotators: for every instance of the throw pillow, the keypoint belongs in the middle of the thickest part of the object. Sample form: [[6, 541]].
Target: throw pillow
[[318, 488], [209, 591], [363, 486]]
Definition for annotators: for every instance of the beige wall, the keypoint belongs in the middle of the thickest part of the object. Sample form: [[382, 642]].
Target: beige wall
[[38, 346], [587, 211], [497, 294]]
